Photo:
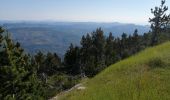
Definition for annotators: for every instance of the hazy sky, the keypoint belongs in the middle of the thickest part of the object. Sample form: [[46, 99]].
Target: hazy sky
[[126, 11]]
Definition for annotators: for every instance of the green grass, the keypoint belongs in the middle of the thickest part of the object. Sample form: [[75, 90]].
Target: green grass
[[145, 76]]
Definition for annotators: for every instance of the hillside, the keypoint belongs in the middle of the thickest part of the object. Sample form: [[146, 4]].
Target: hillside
[[145, 76]]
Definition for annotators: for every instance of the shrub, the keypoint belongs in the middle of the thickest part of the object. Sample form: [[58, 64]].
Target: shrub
[[156, 62]]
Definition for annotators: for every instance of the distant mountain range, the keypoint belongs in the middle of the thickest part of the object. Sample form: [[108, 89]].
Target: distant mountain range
[[57, 36]]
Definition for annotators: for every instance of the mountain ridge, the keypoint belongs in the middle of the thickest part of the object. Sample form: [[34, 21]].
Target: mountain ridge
[[57, 36]]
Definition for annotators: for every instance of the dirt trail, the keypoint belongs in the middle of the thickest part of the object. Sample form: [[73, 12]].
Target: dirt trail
[[78, 87]]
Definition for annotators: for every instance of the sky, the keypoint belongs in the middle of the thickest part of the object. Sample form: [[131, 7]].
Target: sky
[[124, 11]]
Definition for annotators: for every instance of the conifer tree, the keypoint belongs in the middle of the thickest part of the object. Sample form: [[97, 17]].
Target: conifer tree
[[39, 61], [52, 63], [110, 50], [135, 42], [124, 46], [72, 60], [159, 22], [99, 41], [85, 54], [18, 76]]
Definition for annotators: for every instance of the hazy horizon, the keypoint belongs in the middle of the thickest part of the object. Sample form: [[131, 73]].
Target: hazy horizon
[[58, 21], [103, 11]]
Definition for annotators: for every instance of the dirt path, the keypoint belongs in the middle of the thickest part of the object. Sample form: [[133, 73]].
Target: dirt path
[[78, 87]]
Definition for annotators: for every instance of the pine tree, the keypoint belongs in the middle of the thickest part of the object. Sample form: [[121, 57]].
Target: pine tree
[[3, 53], [18, 76], [39, 61], [72, 60], [159, 22], [99, 41], [52, 63], [136, 42], [124, 46], [109, 50], [86, 53]]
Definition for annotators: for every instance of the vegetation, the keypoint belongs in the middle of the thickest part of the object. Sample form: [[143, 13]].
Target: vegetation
[[145, 76], [159, 22], [98, 51], [41, 76], [17, 74]]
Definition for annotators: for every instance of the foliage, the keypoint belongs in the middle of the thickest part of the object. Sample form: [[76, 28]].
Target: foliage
[[156, 62], [17, 75], [130, 79], [43, 75], [71, 60], [48, 64], [58, 83], [98, 51], [159, 22]]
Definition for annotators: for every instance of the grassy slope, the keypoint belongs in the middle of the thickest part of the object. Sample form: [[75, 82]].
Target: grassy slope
[[145, 76]]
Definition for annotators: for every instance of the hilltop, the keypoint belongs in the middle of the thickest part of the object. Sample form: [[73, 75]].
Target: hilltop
[[144, 76]]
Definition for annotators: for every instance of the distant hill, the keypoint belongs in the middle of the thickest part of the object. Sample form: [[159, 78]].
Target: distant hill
[[57, 36], [145, 76]]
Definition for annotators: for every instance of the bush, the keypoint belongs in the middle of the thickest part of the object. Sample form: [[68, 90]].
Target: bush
[[156, 62], [58, 83]]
